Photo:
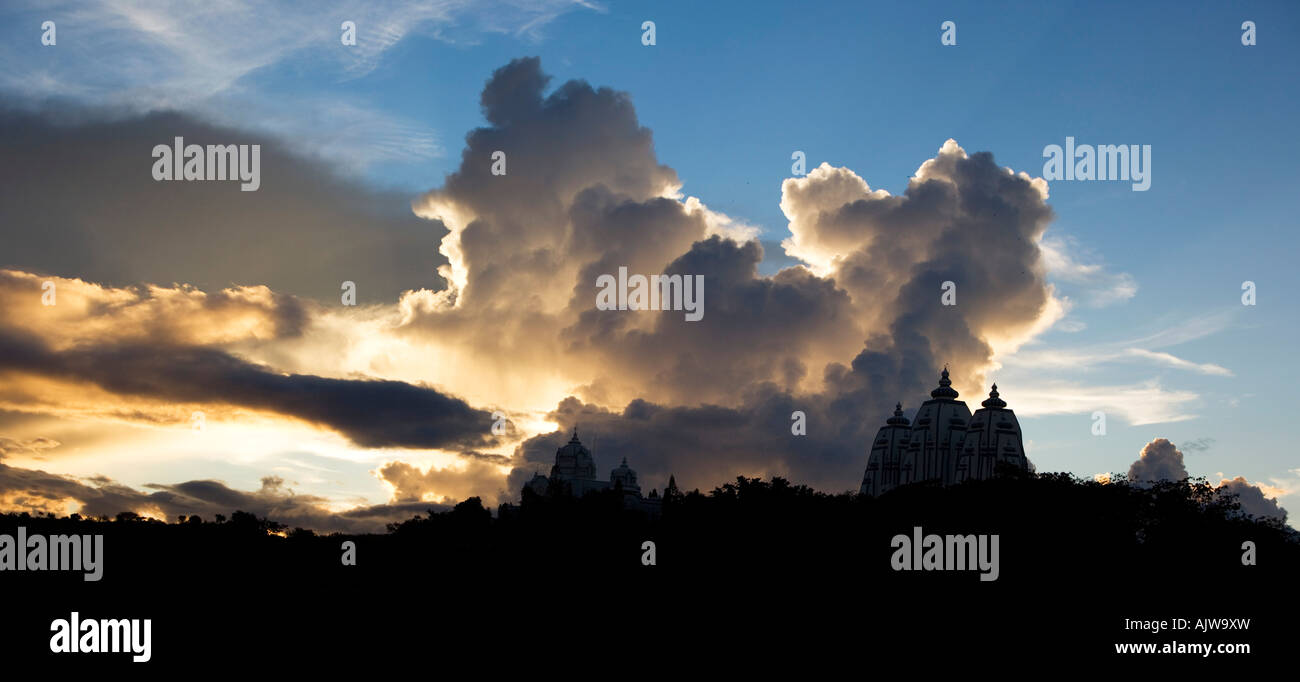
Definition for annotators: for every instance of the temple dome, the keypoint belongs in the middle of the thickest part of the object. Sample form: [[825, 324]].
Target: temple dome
[[885, 454], [574, 461], [898, 419], [538, 484], [626, 477], [944, 442], [936, 435], [574, 475], [993, 437]]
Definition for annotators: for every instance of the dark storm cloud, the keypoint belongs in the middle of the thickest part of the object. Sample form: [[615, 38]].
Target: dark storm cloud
[[371, 413], [754, 329], [77, 199], [42, 491]]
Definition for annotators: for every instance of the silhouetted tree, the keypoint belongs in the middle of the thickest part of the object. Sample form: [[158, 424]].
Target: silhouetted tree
[[471, 512]]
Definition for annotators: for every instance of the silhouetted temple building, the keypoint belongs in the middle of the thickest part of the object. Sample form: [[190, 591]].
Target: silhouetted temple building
[[574, 472], [946, 443]]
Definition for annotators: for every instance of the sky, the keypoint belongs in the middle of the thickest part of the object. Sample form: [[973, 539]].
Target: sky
[[475, 291]]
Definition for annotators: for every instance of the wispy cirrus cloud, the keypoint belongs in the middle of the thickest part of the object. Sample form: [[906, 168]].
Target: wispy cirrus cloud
[[213, 59], [1169, 360], [1133, 349], [174, 53], [1172, 332], [1096, 285], [1146, 402], [1089, 357], [1053, 380]]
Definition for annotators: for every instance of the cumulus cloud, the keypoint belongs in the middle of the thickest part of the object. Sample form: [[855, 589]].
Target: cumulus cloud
[[962, 219], [1159, 460], [525, 250], [857, 325], [473, 477], [1253, 499]]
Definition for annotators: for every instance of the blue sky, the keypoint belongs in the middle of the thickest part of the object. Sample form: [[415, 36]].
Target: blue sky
[[730, 90]]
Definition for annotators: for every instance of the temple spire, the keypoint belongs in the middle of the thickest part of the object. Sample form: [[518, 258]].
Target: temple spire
[[945, 389], [994, 400], [898, 417]]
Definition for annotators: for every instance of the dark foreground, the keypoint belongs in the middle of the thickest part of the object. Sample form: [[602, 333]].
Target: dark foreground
[[753, 576]]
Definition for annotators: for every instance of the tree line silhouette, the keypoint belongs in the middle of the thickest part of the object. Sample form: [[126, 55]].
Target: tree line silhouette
[[746, 552]]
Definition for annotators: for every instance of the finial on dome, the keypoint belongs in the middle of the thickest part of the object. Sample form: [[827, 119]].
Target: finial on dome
[[898, 418], [945, 389], [994, 400]]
